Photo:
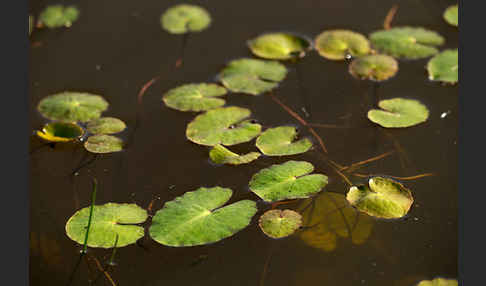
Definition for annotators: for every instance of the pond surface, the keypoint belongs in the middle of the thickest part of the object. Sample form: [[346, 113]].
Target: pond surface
[[117, 46]]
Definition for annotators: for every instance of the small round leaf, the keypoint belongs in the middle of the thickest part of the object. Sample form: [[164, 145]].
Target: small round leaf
[[383, 198], [221, 155], [451, 15], [106, 125], [338, 44], [107, 221], [60, 132], [278, 223], [185, 18], [56, 16], [278, 46], [103, 144], [439, 282], [444, 67], [278, 141], [195, 97], [399, 113], [374, 67]]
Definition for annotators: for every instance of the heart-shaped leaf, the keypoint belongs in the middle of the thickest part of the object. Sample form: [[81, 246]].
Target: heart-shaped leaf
[[106, 125], [278, 223], [289, 180], [444, 67], [222, 126], [339, 44], [185, 18], [374, 67], [399, 112], [278, 46], [55, 16], [220, 155], [383, 198], [107, 221], [60, 132], [195, 97], [278, 141], [407, 42], [198, 218], [103, 144]]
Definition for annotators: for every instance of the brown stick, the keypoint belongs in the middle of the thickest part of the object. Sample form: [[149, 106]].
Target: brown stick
[[368, 160], [398, 178], [389, 17], [326, 125], [144, 88], [107, 275]]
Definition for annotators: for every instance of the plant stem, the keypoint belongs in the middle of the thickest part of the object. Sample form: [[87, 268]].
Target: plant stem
[[93, 199], [185, 39], [303, 94]]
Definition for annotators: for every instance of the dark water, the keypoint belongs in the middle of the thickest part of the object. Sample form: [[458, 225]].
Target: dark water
[[117, 46]]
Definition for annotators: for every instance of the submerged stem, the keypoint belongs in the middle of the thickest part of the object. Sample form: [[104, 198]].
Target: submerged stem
[[93, 199], [389, 17], [185, 39]]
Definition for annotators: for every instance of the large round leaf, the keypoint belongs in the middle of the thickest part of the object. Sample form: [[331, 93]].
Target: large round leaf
[[106, 125], [252, 76], [185, 18], [399, 112], [278, 46], [407, 42], [107, 221], [220, 155], [56, 16], [198, 218], [338, 44], [278, 223], [222, 126], [60, 132], [451, 15], [374, 67], [438, 282], [278, 141], [72, 106], [329, 216], [289, 180], [444, 67], [383, 198], [103, 144], [195, 97]]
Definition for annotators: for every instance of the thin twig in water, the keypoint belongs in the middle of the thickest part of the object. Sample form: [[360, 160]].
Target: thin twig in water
[[398, 178], [185, 39], [354, 165], [389, 17], [110, 263], [144, 88], [265, 266], [100, 268], [274, 205], [95, 156], [326, 125]]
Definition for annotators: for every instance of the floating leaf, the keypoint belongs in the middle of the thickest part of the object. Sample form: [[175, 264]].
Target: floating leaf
[[399, 112], [451, 15], [198, 218], [278, 223], [222, 125], [289, 180], [56, 16], [60, 132], [108, 220], [103, 144], [439, 282], [195, 97], [252, 76], [338, 44], [329, 216], [185, 18], [220, 155], [278, 46], [72, 106], [278, 142], [374, 67], [407, 42], [444, 67], [106, 125], [383, 198]]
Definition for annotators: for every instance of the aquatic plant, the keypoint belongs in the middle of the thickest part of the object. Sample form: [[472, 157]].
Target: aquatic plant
[[399, 113], [279, 46], [341, 44], [444, 67], [55, 16], [278, 223]]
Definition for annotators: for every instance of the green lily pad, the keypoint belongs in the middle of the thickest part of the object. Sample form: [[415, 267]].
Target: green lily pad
[[278, 141], [103, 144], [338, 44], [185, 18], [407, 42], [56, 16], [439, 282], [106, 125], [374, 67], [278, 46], [252, 76], [195, 97], [60, 132], [451, 15], [328, 217], [278, 223], [72, 106], [289, 180], [108, 220], [198, 218], [220, 155], [222, 125], [398, 113], [383, 198], [444, 67]]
